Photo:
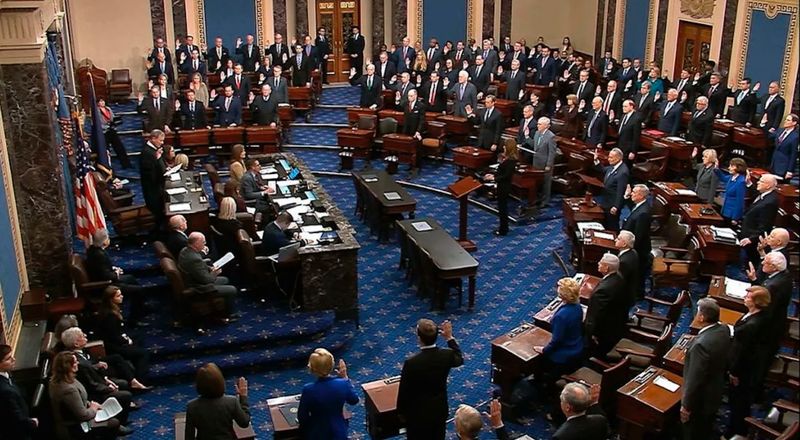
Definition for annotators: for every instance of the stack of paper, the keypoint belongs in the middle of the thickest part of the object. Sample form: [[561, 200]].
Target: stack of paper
[[180, 207], [685, 192], [422, 226], [109, 409], [604, 235], [736, 288], [667, 384], [674, 138], [176, 191], [585, 226], [286, 201]]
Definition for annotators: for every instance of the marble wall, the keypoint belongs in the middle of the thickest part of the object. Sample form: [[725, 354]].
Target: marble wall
[[157, 19], [505, 20], [611, 17], [279, 18], [378, 14], [728, 29], [179, 17], [661, 30], [37, 174], [599, 49], [301, 18], [399, 20], [488, 20]]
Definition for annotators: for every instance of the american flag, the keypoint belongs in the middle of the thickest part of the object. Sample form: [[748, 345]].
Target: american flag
[[88, 213]]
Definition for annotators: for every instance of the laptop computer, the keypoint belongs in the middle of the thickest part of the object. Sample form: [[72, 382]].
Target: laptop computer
[[287, 253]]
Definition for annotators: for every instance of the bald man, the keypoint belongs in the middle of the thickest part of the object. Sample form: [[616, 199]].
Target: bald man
[[759, 217], [608, 308], [777, 240], [176, 237], [463, 92], [596, 125], [203, 278]]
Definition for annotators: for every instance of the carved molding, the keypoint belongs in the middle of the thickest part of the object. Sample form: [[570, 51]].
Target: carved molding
[[698, 8], [771, 10], [23, 25]]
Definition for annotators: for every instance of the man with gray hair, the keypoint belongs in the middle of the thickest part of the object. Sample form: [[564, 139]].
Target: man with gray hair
[[151, 171], [704, 372], [464, 94], [639, 221], [543, 147], [575, 400], [615, 181], [202, 277], [759, 218], [628, 264], [701, 125], [468, 423], [775, 276], [607, 313], [777, 240]]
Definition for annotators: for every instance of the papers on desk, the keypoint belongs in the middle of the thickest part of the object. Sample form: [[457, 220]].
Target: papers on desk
[[725, 121], [578, 277], [585, 226], [310, 237], [604, 235], [284, 201], [685, 192], [227, 258], [392, 196], [109, 409], [297, 211], [269, 176], [260, 234], [421, 226], [284, 183], [667, 384], [370, 178], [174, 177], [269, 170], [313, 228], [250, 210], [180, 207], [724, 234], [176, 191], [674, 138], [494, 166], [735, 288], [173, 170]]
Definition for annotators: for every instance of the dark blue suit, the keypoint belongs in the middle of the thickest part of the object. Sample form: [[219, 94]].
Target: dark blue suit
[[233, 115], [566, 345], [400, 61], [670, 121], [596, 128], [320, 410], [17, 422], [273, 239], [623, 77], [784, 158], [547, 73], [614, 184]]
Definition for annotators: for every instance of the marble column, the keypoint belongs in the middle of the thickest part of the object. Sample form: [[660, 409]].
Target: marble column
[[158, 19], [179, 17], [505, 20], [399, 21], [301, 18], [37, 173], [279, 18], [378, 15], [610, 19], [488, 20], [661, 30], [599, 50], [728, 28]]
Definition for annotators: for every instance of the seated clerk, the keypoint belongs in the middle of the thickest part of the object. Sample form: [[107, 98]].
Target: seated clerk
[[251, 186], [176, 237], [276, 234]]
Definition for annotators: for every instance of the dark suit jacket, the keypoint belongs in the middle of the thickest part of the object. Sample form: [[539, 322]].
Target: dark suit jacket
[[14, 412], [355, 46], [780, 290], [176, 241], [784, 157], [670, 122], [422, 397], [545, 74], [614, 184], [491, 129], [701, 126], [249, 187], [156, 70], [385, 72], [192, 120], [608, 309], [481, 80], [154, 53], [300, 74], [213, 58], [745, 110], [188, 68], [639, 222], [583, 427], [521, 138], [645, 108], [195, 271], [587, 94], [273, 239], [628, 137], [277, 55], [323, 48], [616, 103], [414, 120], [716, 100], [281, 91], [156, 118], [623, 76], [595, 133], [760, 217], [369, 95], [748, 354], [439, 101], [470, 97], [630, 271], [98, 265], [704, 370], [214, 417], [264, 112], [399, 59], [774, 111], [233, 115], [514, 85], [249, 58], [152, 179], [242, 90]]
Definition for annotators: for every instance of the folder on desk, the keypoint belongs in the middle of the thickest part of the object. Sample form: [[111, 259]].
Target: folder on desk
[[392, 196], [736, 288], [369, 178], [289, 412], [422, 226]]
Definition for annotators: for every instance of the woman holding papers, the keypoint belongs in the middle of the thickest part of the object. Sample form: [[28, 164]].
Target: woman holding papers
[[502, 177], [73, 412], [211, 416], [735, 180]]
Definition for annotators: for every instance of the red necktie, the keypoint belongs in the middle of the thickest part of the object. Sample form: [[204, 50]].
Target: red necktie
[[238, 81], [433, 94]]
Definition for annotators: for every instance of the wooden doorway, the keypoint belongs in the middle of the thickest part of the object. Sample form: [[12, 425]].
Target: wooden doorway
[[694, 46], [337, 17]]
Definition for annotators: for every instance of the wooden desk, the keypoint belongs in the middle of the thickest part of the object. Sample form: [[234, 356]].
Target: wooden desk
[[679, 156], [673, 193], [726, 316], [354, 113], [447, 259], [507, 108], [227, 135], [380, 403], [359, 140], [525, 183], [396, 115], [716, 253], [788, 196], [513, 356], [267, 138], [195, 196], [471, 159], [675, 357], [716, 290], [241, 433], [380, 211], [575, 209], [456, 127], [587, 286], [592, 248], [645, 409], [754, 141], [690, 213], [543, 318], [405, 147]]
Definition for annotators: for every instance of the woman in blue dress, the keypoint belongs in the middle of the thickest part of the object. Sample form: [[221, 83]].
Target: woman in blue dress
[[735, 181], [321, 403]]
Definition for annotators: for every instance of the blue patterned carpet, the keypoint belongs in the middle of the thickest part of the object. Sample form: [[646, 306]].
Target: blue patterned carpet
[[516, 278]]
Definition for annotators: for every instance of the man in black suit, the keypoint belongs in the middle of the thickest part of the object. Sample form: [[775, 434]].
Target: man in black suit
[[239, 83], [279, 52], [422, 397], [413, 116], [194, 65], [17, 422], [157, 111], [434, 94], [515, 81], [638, 222], [275, 237], [670, 111], [606, 315], [405, 55], [527, 126], [701, 125], [264, 108], [612, 101], [301, 67], [251, 186], [489, 55], [583, 89], [386, 69], [218, 56], [228, 108], [759, 218], [370, 85], [186, 48], [491, 124], [176, 237], [628, 264], [545, 69], [151, 169], [460, 54], [160, 48], [250, 53], [615, 180], [280, 89], [596, 125], [433, 54], [608, 65], [772, 108], [684, 85], [716, 93], [199, 275], [310, 52], [402, 89], [629, 130], [354, 46], [626, 74], [481, 76], [745, 102], [776, 278], [193, 112], [645, 104], [575, 401], [704, 372], [324, 51]]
